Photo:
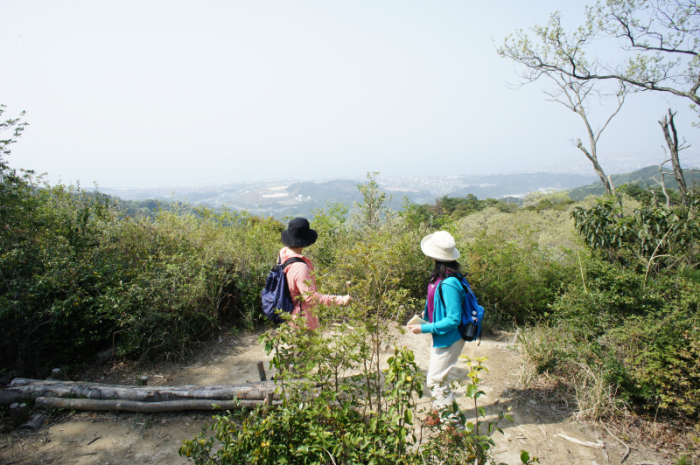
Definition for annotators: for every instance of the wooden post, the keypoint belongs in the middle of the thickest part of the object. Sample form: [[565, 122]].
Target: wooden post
[[261, 371], [18, 412], [56, 373], [269, 397], [143, 380]]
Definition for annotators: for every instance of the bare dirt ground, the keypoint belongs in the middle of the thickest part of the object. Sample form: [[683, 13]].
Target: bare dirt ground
[[540, 415]]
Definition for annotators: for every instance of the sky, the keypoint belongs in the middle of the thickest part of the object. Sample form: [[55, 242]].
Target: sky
[[174, 93]]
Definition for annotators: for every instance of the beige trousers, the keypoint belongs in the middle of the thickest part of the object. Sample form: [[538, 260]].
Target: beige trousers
[[442, 359]]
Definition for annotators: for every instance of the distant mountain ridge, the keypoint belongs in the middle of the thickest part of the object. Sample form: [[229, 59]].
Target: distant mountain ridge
[[643, 177], [520, 184], [282, 198]]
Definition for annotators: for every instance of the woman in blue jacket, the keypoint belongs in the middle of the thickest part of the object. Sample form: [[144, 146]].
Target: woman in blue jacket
[[443, 312]]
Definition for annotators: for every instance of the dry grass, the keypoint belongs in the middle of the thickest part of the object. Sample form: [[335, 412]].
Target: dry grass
[[591, 400], [544, 352], [595, 399]]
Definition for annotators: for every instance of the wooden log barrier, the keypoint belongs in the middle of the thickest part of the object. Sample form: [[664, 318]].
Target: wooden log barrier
[[23, 390], [34, 423], [145, 407]]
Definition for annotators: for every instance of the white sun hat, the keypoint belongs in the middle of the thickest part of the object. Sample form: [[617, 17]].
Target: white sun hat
[[441, 246]]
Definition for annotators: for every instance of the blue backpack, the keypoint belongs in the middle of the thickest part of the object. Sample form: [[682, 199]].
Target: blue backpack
[[275, 296], [472, 312]]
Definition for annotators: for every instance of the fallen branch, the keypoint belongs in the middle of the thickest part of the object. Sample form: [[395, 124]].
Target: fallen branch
[[624, 457], [595, 445], [145, 407], [653, 255]]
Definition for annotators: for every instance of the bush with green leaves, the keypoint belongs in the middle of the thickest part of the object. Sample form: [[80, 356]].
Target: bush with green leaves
[[653, 236], [323, 426], [642, 340], [630, 326], [78, 276], [449, 209], [518, 262], [363, 416]]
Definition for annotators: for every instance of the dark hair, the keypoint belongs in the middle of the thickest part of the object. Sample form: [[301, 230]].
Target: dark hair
[[442, 268]]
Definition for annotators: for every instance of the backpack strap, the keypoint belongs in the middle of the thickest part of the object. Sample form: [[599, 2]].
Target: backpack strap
[[459, 278], [289, 261], [282, 266]]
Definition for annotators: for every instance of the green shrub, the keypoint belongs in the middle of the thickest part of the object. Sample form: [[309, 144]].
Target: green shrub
[[357, 414], [640, 337], [321, 427], [653, 237], [80, 277], [518, 262]]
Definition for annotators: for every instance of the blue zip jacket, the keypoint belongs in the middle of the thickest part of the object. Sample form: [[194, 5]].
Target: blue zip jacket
[[447, 317]]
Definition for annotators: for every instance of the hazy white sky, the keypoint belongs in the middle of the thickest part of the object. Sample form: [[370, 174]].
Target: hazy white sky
[[154, 93]]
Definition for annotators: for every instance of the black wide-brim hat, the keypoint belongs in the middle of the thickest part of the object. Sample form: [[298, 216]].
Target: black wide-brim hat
[[299, 233]]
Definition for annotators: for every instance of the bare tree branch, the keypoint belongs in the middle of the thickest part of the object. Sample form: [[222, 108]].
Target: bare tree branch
[[574, 95], [663, 37]]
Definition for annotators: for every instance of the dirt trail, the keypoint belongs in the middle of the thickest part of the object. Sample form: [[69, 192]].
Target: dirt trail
[[124, 438]]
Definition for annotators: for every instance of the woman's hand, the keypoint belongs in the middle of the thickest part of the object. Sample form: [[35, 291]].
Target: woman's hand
[[415, 329], [345, 300]]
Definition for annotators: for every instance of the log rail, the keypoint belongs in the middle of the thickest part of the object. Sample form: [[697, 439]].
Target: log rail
[[95, 396], [145, 407]]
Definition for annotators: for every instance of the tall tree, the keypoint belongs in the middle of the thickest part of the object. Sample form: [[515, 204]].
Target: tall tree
[[12, 185], [575, 96], [661, 39], [7, 125]]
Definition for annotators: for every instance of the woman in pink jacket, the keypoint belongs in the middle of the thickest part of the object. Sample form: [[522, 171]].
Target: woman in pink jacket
[[300, 277]]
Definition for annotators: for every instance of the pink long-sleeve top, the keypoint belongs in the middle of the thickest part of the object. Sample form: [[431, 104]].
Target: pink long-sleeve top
[[302, 288]]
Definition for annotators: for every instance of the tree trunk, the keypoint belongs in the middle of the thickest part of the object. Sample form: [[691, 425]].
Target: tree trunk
[[25, 389], [598, 169], [671, 136], [145, 407]]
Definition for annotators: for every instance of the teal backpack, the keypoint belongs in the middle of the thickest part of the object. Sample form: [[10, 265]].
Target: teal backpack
[[472, 312]]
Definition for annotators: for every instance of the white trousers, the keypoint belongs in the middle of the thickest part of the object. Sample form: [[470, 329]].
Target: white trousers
[[442, 359]]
